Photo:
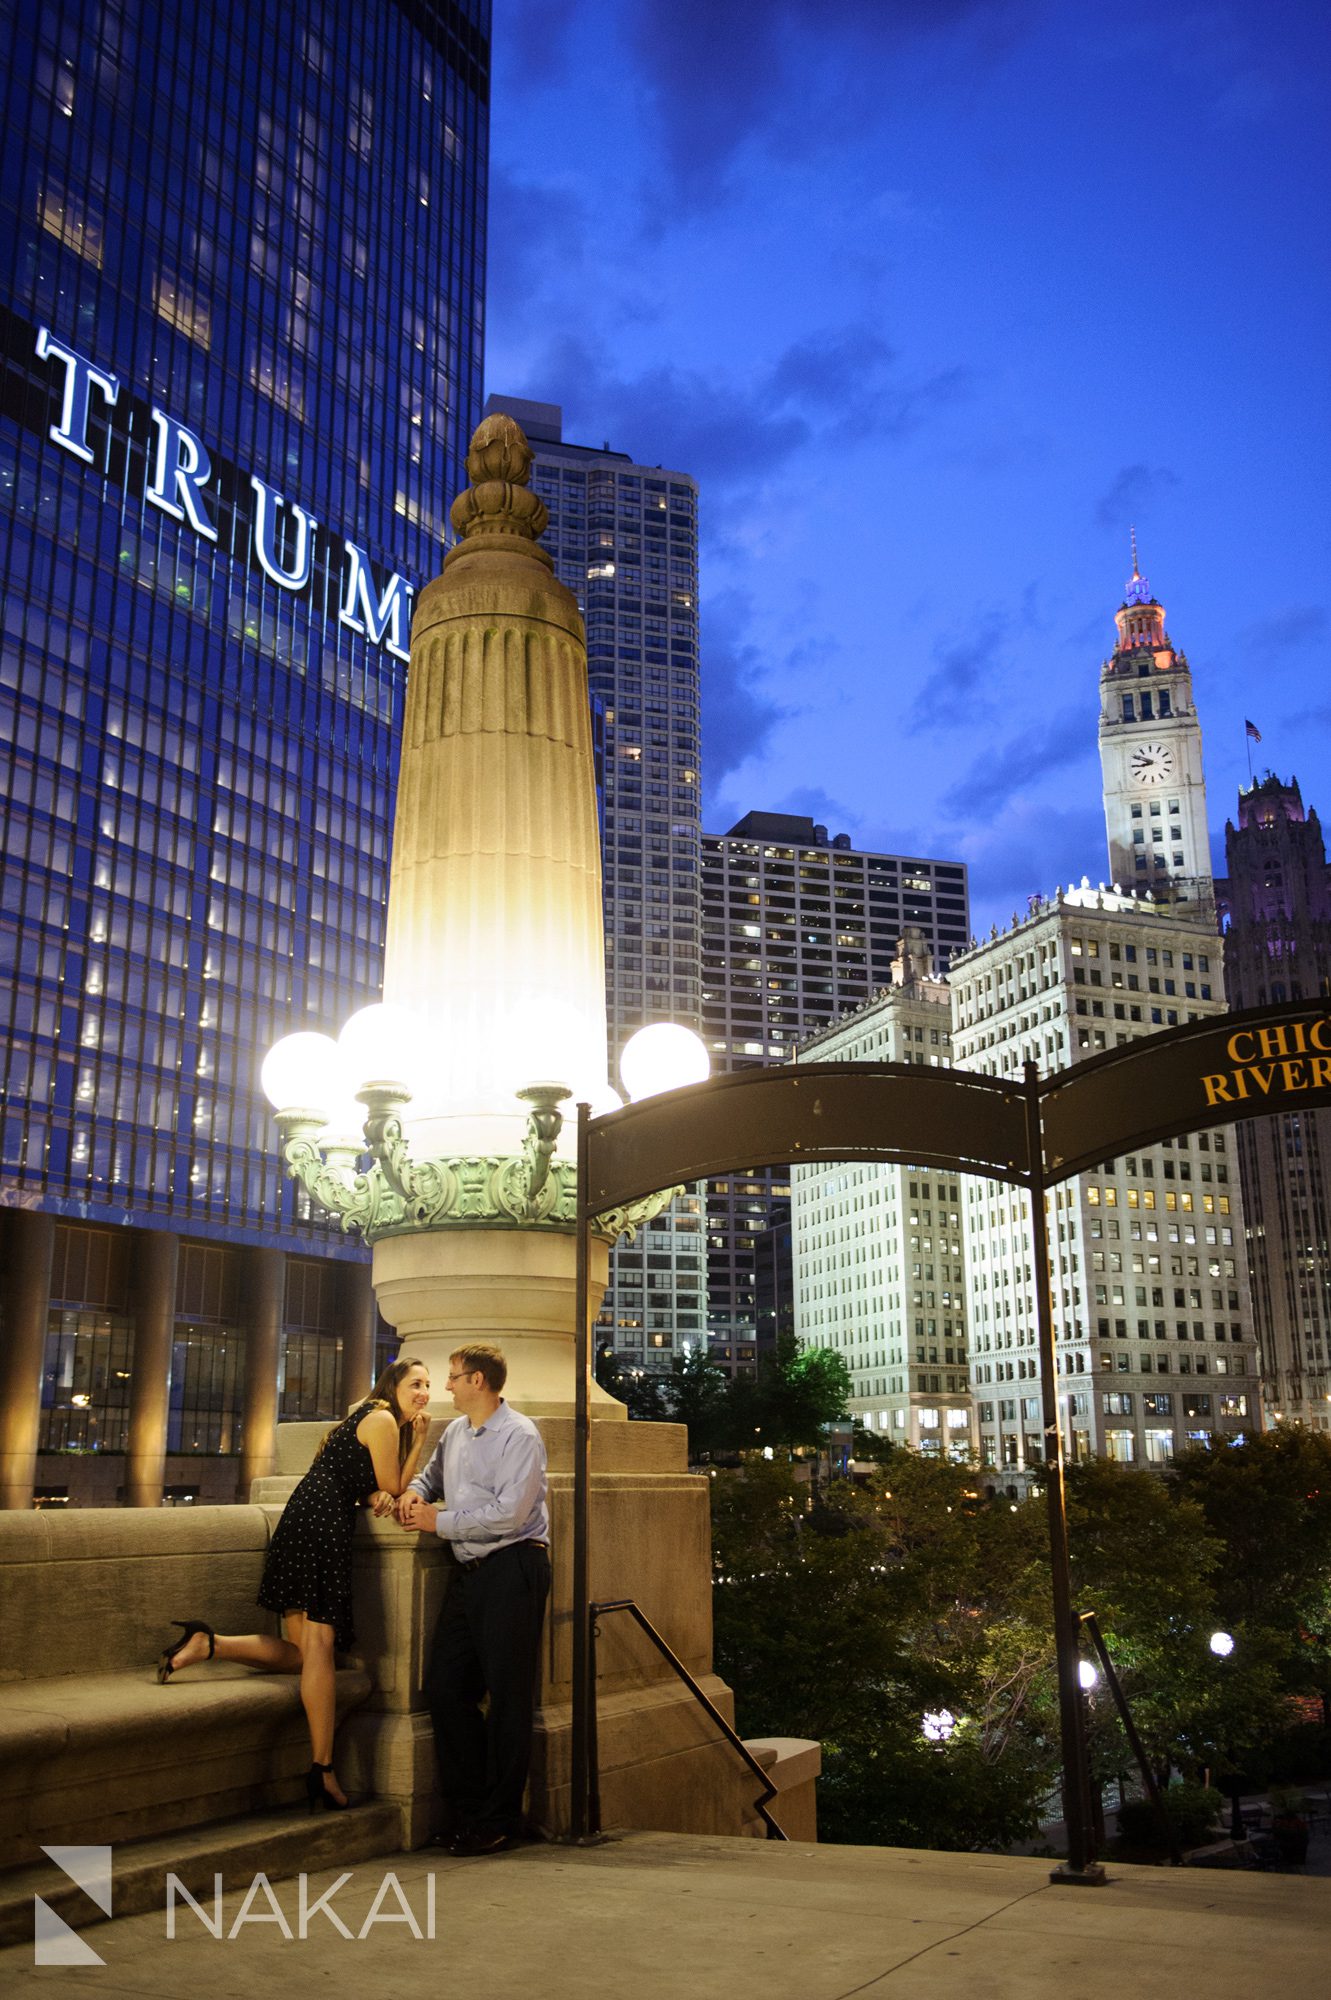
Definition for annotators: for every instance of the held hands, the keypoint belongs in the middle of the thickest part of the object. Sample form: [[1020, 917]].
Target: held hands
[[416, 1514], [382, 1504]]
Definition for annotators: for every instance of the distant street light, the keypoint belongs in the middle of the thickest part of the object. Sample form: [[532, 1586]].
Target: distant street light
[[1221, 1644], [938, 1725]]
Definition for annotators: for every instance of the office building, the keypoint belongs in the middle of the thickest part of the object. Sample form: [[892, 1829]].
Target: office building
[[1275, 910], [1152, 1317], [877, 1248], [624, 538], [797, 929], [243, 261]]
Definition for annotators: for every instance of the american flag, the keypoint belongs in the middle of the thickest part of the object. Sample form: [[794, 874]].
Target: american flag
[[1253, 731]]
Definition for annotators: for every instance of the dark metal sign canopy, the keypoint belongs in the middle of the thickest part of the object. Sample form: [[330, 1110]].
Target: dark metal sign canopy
[[1208, 1073]]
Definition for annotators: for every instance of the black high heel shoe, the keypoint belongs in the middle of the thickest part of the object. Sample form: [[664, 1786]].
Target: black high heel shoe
[[188, 1627], [317, 1792]]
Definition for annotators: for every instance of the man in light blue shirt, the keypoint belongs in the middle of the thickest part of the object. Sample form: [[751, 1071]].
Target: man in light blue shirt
[[484, 1493]]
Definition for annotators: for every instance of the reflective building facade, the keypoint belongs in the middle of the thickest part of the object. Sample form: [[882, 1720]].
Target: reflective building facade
[[242, 267]]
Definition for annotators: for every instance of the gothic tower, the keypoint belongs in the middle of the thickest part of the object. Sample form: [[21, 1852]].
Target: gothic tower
[[1151, 757]]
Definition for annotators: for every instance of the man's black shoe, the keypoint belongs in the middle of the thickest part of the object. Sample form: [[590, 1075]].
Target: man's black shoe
[[481, 1840]]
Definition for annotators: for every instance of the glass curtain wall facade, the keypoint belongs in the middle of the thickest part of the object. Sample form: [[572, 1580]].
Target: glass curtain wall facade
[[242, 257], [624, 538]]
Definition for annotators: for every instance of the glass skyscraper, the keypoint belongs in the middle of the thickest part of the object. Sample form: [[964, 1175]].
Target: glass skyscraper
[[242, 320], [624, 538]]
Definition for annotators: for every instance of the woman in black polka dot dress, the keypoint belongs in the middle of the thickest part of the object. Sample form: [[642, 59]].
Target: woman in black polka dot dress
[[369, 1456]]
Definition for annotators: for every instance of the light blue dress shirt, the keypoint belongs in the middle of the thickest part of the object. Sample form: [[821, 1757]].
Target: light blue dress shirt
[[492, 1480]]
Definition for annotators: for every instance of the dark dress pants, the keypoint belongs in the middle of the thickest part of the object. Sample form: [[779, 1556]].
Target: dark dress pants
[[487, 1642]]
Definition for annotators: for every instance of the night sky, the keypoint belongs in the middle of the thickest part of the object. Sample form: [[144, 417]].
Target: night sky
[[934, 299]]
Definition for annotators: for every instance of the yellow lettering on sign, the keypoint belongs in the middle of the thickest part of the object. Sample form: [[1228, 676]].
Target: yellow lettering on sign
[[1293, 1076], [1272, 1041], [1314, 1034], [1321, 1072], [1233, 1050], [1217, 1087]]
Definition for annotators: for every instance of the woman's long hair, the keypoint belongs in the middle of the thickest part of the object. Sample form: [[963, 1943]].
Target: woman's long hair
[[384, 1395]]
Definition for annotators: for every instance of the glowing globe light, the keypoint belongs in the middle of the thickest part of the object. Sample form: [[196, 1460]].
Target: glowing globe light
[[663, 1057], [1087, 1674], [302, 1073], [603, 1100], [383, 1044], [938, 1725], [1221, 1644]]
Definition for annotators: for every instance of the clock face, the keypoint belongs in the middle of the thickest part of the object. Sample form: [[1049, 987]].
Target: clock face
[[1152, 764]]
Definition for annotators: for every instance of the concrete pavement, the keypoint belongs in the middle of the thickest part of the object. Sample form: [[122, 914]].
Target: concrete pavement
[[676, 1917]]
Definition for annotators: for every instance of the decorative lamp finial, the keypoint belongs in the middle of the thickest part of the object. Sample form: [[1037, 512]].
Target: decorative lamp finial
[[499, 501]]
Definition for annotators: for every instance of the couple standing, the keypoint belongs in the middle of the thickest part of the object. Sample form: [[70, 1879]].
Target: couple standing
[[483, 1492]]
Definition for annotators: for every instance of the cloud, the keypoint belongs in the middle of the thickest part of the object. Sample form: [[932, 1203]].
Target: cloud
[[819, 806], [1286, 631], [830, 367], [1002, 774], [788, 73], [537, 229], [1130, 493], [958, 687], [738, 716], [1009, 860], [536, 39], [731, 432]]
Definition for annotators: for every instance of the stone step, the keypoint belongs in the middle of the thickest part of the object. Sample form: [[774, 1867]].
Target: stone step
[[277, 1844]]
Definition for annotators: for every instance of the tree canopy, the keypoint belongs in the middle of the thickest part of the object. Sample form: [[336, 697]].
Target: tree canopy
[[905, 1623]]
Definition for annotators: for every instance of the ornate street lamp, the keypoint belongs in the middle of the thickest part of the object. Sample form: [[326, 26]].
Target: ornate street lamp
[[434, 1124]]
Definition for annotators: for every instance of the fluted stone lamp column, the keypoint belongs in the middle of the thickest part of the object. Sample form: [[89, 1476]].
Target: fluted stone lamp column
[[495, 933]]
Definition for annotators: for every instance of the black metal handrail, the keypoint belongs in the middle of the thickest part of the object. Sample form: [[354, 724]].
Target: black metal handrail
[[596, 1611]]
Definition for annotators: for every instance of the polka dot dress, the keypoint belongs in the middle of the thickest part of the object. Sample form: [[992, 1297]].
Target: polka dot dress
[[308, 1567]]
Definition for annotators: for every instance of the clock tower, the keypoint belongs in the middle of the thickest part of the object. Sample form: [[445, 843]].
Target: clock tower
[[1151, 758]]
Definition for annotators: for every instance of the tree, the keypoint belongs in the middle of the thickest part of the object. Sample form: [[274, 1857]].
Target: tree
[[1267, 1502], [800, 1391], [888, 1603], [1144, 1560], [641, 1393], [854, 1618], [696, 1396]]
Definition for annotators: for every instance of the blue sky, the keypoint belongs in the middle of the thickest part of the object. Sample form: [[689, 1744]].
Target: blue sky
[[934, 299]]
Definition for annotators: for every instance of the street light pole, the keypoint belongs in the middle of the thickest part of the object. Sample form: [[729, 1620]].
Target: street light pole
[[584, 1692], [1081, 1865]]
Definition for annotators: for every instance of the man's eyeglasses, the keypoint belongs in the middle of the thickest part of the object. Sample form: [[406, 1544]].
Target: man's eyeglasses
[[465, 1375]]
